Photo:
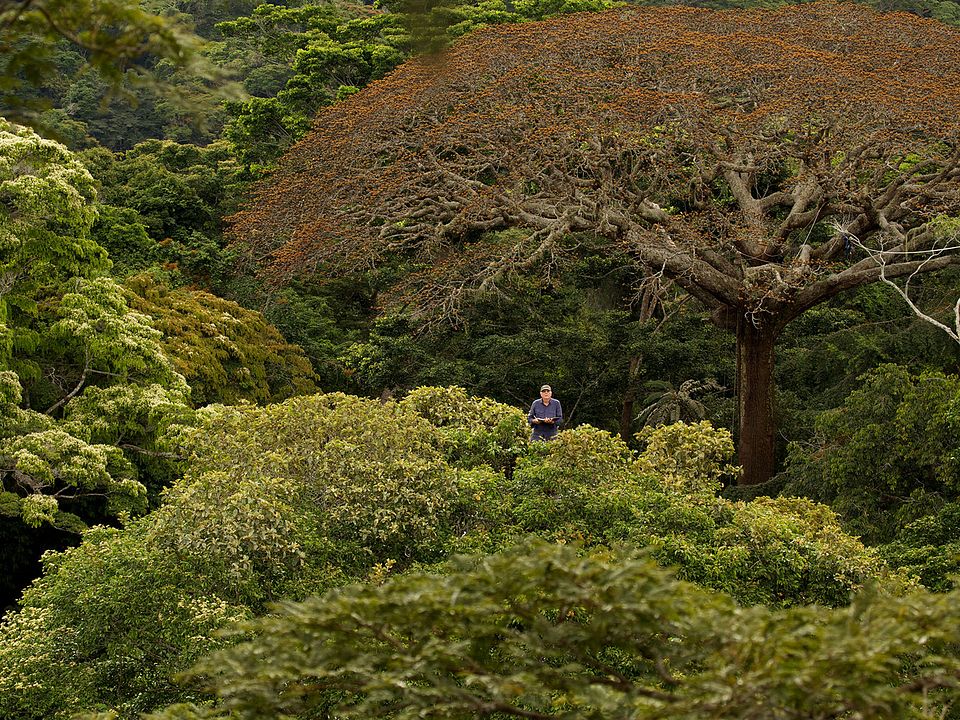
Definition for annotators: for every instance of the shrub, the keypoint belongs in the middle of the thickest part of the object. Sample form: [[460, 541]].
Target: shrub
[[473, 431]]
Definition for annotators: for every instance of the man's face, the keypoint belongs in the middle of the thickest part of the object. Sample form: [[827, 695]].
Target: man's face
[[545, 395]]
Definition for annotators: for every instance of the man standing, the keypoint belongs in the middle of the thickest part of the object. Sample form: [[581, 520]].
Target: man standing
[[545, 416]]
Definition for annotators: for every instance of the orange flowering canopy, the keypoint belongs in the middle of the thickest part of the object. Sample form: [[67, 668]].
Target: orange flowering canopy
[[737, 151]]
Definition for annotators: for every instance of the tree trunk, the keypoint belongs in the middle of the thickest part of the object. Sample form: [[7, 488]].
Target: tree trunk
[[651, 299], [629, 400], [755, 402]]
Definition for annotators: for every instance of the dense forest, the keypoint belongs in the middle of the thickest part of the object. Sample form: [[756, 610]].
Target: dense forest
[[279, 282]]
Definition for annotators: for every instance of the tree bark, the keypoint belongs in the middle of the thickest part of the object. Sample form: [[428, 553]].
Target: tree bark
[[755, 402], [629, 400], [651, 300]]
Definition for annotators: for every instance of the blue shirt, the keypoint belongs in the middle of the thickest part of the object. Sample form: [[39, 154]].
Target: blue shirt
[[545, 431]]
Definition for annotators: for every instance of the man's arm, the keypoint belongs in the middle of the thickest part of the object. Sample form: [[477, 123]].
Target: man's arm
[[558, 417], [532, 419]]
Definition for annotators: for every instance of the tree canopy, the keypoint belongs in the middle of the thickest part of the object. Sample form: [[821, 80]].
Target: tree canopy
[[41, 38], [734, 151], [290, 500], [547, 631], [568, 201], [225, 352]]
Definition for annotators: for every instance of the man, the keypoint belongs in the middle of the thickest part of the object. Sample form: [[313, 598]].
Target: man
[[545, 416]]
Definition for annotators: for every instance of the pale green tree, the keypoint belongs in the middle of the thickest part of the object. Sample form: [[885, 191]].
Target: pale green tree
[[47, 207], [70, 348]]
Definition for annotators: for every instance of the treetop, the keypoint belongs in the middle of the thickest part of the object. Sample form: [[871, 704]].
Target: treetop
[[661, 129]]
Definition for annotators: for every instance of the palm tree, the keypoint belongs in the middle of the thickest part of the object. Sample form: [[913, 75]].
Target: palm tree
[[665, 405]]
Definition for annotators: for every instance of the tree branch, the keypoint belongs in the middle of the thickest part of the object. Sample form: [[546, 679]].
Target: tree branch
[[847, 280], [904, 292], [70, 395]]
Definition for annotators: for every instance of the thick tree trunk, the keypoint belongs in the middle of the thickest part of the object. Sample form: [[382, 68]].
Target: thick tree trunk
[[755, 402]]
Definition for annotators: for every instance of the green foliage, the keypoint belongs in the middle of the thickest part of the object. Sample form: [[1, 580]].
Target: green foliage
[[115, 72], [70, 332], [665, 405], [181, 194], [289, 500], [278, 500], [10, 391], [51, 464], [15, 420], [887, 456], [473, 431], [315, 50], [117, 616], [243, 532], [122, 233], [261, 129], [116, 122], [106, 36], [167, 205], [363, 478], [548, 631], [133, 418], [823, 353], [46, 212], [782, 551], [226, 353], [929, 548], [577, 332], [96, 323], [695, 458], [587, 485], [578, 486]]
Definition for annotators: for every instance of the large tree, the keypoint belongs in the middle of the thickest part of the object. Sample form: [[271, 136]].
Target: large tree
[[737, 152], [84, 381]]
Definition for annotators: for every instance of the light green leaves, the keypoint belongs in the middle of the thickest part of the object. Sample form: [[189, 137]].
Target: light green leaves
[[695, 458], [46, 211], [113, 338], [58, 466], [39, 509], [89, 376]]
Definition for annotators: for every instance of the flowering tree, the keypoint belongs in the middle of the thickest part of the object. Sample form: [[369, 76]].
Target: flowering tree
[[83, 378], [711, 147]]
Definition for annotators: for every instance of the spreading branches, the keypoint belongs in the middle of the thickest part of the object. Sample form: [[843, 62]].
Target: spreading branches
[[717, 157]]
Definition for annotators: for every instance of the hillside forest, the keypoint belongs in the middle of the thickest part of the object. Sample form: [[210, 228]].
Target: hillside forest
[[280, 281]]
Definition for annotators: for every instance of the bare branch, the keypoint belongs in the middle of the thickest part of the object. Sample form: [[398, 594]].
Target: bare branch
[[927, 257], [73, 393]]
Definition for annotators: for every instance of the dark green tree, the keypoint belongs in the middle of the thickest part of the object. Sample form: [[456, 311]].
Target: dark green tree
[[110, 37], [546, 631], [887, 456]]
